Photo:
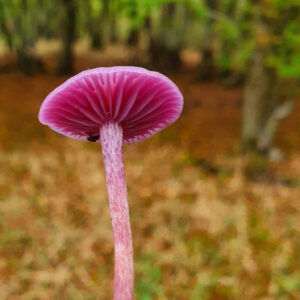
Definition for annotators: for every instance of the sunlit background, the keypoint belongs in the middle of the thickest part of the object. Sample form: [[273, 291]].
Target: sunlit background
[[214, 198]]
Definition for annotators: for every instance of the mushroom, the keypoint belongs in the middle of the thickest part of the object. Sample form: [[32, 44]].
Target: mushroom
[[114, 106]]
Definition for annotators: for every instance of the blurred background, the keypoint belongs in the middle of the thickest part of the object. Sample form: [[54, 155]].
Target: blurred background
[[214, 199]]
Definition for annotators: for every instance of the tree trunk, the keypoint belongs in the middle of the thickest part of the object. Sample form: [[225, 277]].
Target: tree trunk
[[19, 39], [133, 37], [28, 63], [96, 40], [68, 37], [93, 26], [95, 33], [206, 66], [105, 23], [262, 107], [4, 28], [166, 41], [113, 28]]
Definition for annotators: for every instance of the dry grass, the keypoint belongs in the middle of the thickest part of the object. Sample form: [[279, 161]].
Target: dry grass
[[198, 233]]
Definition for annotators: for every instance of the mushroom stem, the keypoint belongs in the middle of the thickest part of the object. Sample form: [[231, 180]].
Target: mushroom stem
[[111, 136]]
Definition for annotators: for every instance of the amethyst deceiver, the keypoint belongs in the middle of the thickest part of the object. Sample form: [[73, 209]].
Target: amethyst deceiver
[[114, 106]]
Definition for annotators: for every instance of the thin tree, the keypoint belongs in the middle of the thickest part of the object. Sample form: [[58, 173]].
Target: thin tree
[[19, 24], [166, 39], [264, 101], [68, 37]]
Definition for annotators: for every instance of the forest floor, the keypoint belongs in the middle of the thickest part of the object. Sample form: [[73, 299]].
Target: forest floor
[[207, 221]]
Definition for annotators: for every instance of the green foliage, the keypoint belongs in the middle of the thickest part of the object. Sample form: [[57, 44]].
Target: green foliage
[[242, 54], [284, 4], [241, 26], [198, 7], [287, 60], [149, 278], [289, 283], [15, 240], [23, 22], [207, 281], [138, 10], [227, 29], [230, 23], [96, 8]]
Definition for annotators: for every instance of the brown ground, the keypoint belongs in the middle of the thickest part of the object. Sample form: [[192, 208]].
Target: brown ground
[[201, 229]]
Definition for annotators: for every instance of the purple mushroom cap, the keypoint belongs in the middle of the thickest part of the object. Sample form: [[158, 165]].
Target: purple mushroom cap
[[142, 102], [115, 106]]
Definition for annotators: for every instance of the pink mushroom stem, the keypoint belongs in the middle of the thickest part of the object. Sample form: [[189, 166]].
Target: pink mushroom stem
[[91, 106], [111, 136]]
